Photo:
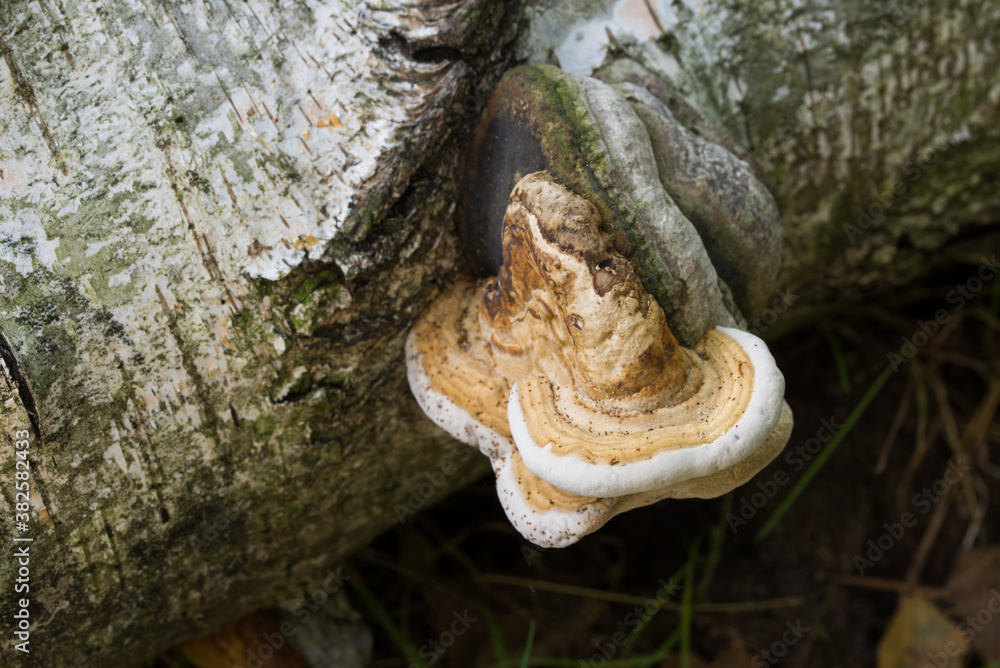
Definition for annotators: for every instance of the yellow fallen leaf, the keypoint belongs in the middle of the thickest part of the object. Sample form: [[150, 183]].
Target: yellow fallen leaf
[[973, 590], [919, 634]]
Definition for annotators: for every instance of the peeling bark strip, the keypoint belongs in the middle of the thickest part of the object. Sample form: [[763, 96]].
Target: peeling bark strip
[[20, 378]]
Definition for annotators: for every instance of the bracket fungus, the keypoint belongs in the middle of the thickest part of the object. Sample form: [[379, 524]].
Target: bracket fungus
[[702, 232], [563, 370], [600, 366]]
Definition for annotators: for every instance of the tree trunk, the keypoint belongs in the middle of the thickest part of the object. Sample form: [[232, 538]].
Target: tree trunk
[[218, 221], [874, 126]]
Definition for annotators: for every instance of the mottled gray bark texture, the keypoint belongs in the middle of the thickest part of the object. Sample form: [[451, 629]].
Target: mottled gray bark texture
[[838, 102], [218, 220]]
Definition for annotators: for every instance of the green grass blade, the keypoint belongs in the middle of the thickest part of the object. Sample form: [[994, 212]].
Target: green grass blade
[[382, 616], [825, 453], [717, 538], [634, 636], [497, 640], [527, 646], [496, 635], [838, 358], [644, 620], [661, 654], [687, 611]]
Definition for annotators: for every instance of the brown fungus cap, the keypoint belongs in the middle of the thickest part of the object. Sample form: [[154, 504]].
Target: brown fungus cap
[[606, 411], [453, 376], [604, 402]]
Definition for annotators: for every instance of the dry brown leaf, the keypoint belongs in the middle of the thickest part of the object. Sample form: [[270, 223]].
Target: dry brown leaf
[[973, 590], [919, 634], [255, 641]]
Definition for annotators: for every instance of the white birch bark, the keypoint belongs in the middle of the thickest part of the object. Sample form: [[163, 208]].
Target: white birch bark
[[211, 323]]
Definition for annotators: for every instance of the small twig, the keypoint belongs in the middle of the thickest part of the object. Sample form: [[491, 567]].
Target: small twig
[[942, 336], [973, 442], [656, 19], [923, 445], [988, 318], [442, 584], [715, 551], [983, 456], [982, 499], [928, 540], [924, 436], [629, 599], [947, 414], [969, 361], [890, 438], [878, 584]]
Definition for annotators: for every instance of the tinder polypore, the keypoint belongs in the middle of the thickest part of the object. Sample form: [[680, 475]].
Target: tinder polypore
[[563, 371], [454, 379]]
